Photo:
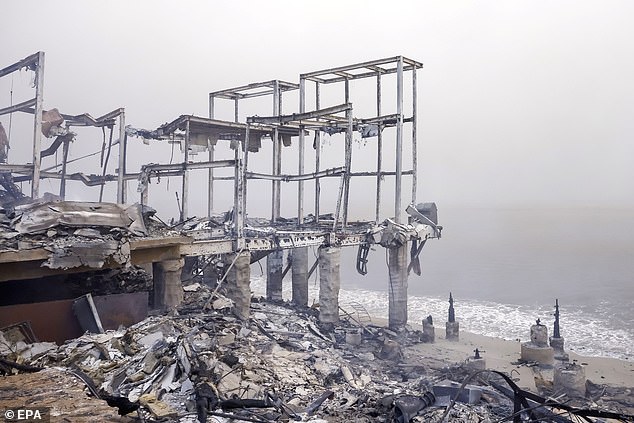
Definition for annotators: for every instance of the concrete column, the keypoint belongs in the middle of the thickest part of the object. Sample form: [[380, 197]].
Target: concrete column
[[299, 269], [397, 267], [238, 281], [168, 289], [452, 331], [329, 284], [429, 331], [570, 379], [274, 264]]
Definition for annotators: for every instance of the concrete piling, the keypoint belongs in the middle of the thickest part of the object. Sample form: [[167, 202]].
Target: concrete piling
[[238, 281], [570, 379], [397, 267], [299, 269], [274, 264], [537, 349], [452, 331], [168, 288], [329, 284]]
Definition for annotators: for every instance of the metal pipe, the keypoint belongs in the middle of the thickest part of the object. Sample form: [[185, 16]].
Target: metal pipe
[[399, 139], [379, 150], [37, 125], [235, 110], [121, 185]]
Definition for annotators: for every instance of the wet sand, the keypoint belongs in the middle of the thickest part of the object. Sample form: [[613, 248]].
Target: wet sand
[[500, 355]]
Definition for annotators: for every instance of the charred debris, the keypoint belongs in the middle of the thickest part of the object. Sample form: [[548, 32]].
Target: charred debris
[[157, 319]]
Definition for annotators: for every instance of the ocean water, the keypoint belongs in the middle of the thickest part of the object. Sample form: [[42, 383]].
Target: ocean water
[[505, 268]]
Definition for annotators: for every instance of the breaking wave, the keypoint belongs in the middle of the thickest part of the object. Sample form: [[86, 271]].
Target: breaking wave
[[599, 331]]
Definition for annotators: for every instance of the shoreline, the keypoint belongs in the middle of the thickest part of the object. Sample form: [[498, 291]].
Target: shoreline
[[501, 354]]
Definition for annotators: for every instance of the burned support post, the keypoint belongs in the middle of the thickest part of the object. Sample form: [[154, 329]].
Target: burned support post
[[121, 187], [452, 328], [300, 160], [557, 341], [329, 284], [37, 125], [210, 172], [185, 188], [299, 271], [238, 280], [168, 289], [397, 266], [274, 265]]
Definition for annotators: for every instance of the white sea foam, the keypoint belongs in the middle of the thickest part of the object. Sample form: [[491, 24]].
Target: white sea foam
[[587, 332]]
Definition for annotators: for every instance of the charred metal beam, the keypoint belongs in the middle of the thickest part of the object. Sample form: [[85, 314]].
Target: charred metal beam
[[18, 107], [26, 62], [335, 171], [232, 93], [37, 124], [321, 76], [297, 117]]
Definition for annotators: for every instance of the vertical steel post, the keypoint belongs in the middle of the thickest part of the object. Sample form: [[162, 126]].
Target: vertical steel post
[[210, 171], [212, 106], [347, 154], [414, 134], [121, 188], [276, 151], [278, 158], [238, 216], [379, 149], [185, 189], [236, 116], [399, 139], [37, 125], [300, 187], [346, 192], [317, 156], [247, 134]]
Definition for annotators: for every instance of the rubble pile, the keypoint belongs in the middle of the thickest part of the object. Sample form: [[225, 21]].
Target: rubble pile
[[201, 363], [205, 364]]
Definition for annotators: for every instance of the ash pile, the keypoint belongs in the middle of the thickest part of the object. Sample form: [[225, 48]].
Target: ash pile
[[202, 364]]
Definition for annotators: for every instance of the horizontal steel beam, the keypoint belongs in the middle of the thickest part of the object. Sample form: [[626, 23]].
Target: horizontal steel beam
[[335, 171], [190, 166], [16, 168], [19, 65], [382, 173], [237, 92], [18, 107], [373, 66], [296, 117]]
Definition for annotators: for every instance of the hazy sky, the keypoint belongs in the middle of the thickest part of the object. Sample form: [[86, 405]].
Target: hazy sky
[[521, 102]]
